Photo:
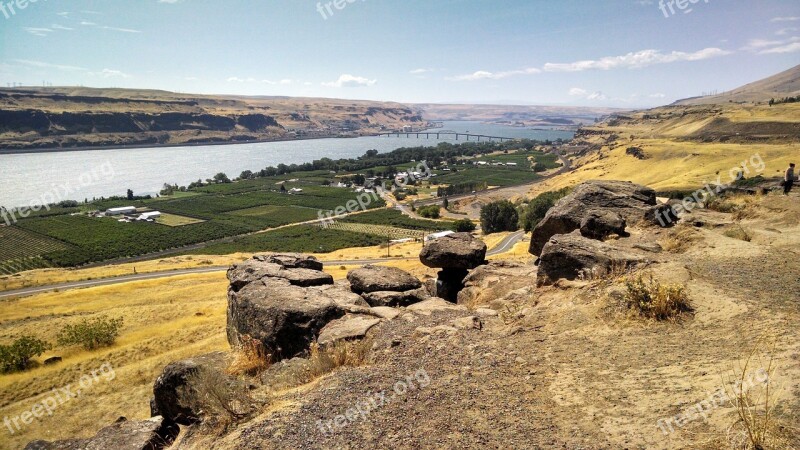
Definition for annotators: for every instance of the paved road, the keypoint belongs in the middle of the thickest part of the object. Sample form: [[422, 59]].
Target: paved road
[[504, 246]]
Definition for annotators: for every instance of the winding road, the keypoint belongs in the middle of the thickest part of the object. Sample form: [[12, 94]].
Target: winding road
[[502, 247]]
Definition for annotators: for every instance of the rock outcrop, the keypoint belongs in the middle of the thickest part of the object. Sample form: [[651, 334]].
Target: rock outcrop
[[455, 254], [176, 390], [594, 205], [569, 256], [347, 328], [298, 270], [152, 434], [396, 299], [371, 278]]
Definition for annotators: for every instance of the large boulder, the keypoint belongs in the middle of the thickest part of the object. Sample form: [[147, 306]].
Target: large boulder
[[242, 274], [396, 299], [176, 390], [454, 251], [152, 434], [381, 278], [599, 224], [569, 256], [348, 327], [291, 260], [630, 201], [285, 318]]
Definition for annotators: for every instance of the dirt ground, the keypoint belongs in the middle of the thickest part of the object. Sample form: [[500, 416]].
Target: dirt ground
[[568, 367]]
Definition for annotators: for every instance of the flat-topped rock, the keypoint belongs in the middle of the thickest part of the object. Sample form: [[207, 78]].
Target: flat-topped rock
[[395, 299], [240, 275], [381, 278], [152, 434], [454, 251], [291, 260], [348, 327]]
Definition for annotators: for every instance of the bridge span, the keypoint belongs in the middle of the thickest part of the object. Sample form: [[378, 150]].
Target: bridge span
[[439, 134]]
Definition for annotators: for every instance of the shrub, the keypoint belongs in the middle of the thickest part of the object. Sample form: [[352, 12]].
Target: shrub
[[737, 232], [249, 358], [17, 356], [463, 226], [499, 216], [538, 207], [649, 298], [429, 212], [222, 400], [91, 333]]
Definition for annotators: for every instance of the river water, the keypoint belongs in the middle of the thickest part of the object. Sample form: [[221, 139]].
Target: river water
[[40, 178]]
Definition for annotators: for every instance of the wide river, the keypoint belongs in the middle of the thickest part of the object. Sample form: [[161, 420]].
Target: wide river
[[41, 178]]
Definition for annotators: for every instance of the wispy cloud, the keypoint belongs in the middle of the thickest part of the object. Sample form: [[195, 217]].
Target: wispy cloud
[[786, 19], [61, 27], [635, 60], [773, 46], [44, 65], [347, 80], [38, 31], [110, 73], [586, 95], [122, 30], [486, 75]]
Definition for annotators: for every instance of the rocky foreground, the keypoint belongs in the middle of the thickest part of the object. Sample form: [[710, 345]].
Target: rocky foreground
[[500, 354]]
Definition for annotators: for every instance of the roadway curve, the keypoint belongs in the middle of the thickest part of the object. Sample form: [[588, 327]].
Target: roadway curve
[[502, 247]]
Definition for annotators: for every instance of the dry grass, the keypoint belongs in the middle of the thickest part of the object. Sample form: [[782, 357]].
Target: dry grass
[[224, 401], [736, 231], [250, 358], [680, 239], [164, 321], [648, 297]]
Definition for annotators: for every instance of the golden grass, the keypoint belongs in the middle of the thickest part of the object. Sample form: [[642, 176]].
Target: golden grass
[[648, 297], [165, 320], [171, 220]]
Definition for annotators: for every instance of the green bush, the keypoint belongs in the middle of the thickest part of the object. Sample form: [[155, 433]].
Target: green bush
[[17, 356], [538, 207], [429, 212], [463, 226], [91, 333], [499, 216]]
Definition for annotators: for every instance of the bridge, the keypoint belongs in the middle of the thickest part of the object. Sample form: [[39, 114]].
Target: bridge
[[439, 134]]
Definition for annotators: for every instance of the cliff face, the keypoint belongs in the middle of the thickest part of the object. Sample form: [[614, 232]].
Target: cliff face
[[66, 118]]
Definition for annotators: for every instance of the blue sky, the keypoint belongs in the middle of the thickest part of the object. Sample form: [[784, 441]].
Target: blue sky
[[557, 52]]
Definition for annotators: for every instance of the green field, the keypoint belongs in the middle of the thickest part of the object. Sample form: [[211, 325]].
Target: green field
[[18, 243], [395, 218], [301, 238]]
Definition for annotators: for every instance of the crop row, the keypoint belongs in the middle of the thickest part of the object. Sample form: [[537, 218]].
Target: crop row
[[395, 218], [17, 243]]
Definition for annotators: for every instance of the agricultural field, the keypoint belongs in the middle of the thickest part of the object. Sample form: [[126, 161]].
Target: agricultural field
[[171, 220], [491, 175], [300, 238], [385, 231], [19, 243], [396, 219]]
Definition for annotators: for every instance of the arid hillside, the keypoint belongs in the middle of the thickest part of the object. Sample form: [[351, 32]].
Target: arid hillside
[[782, 85], [85, 117]]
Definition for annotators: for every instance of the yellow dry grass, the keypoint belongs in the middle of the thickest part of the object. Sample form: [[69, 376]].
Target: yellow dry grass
[[164, 320]]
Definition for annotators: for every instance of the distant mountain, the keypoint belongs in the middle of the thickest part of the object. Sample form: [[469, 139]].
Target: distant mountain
[[521, 115], [784, 84]]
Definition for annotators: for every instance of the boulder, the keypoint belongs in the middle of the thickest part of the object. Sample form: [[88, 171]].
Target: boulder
[[152, 434], [284, 317], [291, 260], [385, 312], [175, 391], [240, 275], [347, 328], [567, 256], [396, 299], [433, 305], [455, 251], [663, 216], [496, 281], [631, 201], [599, 224], [381, 278]]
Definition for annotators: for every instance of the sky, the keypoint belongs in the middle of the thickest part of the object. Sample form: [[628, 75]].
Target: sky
[[624, 53]]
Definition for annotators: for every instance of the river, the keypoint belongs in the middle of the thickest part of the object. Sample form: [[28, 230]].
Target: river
[[37, 178]]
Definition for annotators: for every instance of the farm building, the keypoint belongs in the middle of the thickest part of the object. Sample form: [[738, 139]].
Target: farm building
[[120, 211], [434, 236], [152, 215]]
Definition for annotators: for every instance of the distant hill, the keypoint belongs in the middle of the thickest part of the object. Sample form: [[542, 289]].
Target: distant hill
[[784, 84], [521, 115]]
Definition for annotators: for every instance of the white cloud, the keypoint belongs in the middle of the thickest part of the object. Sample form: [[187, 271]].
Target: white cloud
[[286, 81], [786, 31], [347, 80], [486, 75], [765, 47], [788, 48], [86, 23], [577, 92], [44, 65], [657, 95], [171, 2], [191, 78], [420, 71], [61, 27], [38, 31], [240, 80], [110, 73], [597, 96], [635, 60], [786, 19], [123, 30]]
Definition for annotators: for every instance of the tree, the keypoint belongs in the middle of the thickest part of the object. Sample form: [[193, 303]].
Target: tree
[[246, 175], [359, 179], [499, 216], [17, 356], [463, 226], [446, 203], [221, 178], [130, 194], [429, 212], [538, 207], [91, 333]]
